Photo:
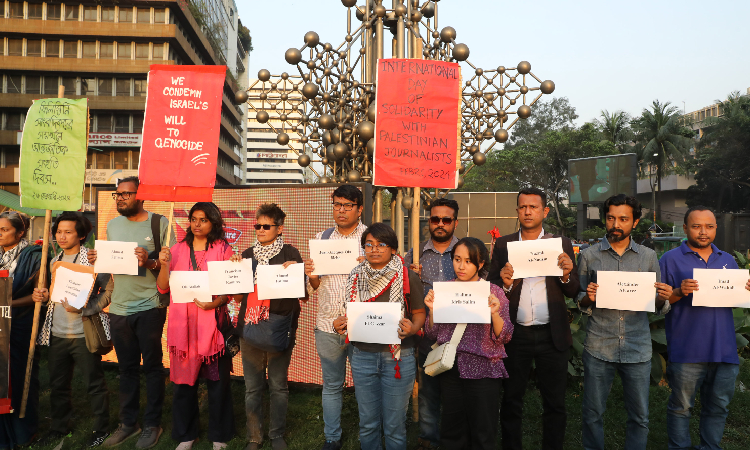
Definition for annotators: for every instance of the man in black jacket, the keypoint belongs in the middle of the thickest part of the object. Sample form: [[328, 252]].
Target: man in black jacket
[[541, 333]]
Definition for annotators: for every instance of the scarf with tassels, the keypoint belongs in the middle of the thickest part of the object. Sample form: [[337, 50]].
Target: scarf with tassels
[[365, 284], [257, 309], [9, 259]]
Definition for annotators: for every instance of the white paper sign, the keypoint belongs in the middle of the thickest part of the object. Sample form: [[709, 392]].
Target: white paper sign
[[461, 302], [75, 286], [721, 288], [334, 256], [227, 277], [535, 258], [186, 285], [373, 322], [115, 257], [274, 281], [626, 291]]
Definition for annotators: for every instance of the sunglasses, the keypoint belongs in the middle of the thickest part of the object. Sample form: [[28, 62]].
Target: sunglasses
[[265, 227], [435, 220]]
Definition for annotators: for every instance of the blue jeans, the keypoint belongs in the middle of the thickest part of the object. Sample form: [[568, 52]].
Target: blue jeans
[[716, 383], [429, 404], [333, 351], [382, 398], [597, 382]]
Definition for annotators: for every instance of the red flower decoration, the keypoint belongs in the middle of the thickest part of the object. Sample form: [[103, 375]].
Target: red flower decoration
[[39, 242], [495, 233]]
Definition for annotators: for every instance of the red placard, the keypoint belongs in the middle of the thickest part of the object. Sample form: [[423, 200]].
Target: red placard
[[416, 129], [181, 133]]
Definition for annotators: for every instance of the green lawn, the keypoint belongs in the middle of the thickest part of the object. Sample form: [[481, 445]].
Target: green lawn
[[305, 417]]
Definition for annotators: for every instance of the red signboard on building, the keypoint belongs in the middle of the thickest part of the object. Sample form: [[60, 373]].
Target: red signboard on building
[[417, 124], [181, 133]]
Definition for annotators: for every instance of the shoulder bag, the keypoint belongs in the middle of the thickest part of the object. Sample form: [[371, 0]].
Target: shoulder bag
[[442, 358], [156, 234]]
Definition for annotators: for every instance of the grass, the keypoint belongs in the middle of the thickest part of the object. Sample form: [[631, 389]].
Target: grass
[[305, 416]]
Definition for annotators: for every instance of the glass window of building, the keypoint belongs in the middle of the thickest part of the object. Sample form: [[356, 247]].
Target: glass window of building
[[33, 84], [124, 50], [70, 49], [90, 154], [103, 160], [105, 86], [123, 87], [70, 85], [143, 15], [53, 11], [141, 51], [137, 126], [15, 47], [35, 11], [50, 84], [106, 50], [89, 49], [52, 49], [14, 84], [126, 14], [121, 159], [136, 159], [90, 13], [103, 124], [158, 51], [12, 158], [88, 86], [139, 89], [16, 10], [33, 47], [2, 9], [71, 12], [160, 15], [12, 121], [108, 13]]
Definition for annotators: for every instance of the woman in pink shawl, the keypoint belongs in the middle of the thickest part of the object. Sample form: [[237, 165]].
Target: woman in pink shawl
[[196, 344]]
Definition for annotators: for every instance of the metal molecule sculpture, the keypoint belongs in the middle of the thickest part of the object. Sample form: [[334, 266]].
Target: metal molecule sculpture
[[331, 106]]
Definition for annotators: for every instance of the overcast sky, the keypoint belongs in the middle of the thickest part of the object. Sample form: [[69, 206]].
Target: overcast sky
[[600, 54]]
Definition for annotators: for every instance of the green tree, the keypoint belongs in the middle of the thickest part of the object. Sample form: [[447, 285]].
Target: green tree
[[554, 115], [615, 127], [661, 141]]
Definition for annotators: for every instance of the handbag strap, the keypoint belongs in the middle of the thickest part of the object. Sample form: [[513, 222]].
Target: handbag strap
[[194, 264], [458, 333]]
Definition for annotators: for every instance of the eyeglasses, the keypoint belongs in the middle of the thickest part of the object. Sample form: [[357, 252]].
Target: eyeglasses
[[435, 220], [370, 247], [265, 227], [346, 206], [125, 195]]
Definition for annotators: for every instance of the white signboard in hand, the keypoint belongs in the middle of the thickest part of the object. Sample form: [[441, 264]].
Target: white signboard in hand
[[187, 285], [373, 322], [334, 256], [73, 286], [274, 281], [227, 277], [535, 258], [115, 257], [626, 291], [461, 302], [721, 288]]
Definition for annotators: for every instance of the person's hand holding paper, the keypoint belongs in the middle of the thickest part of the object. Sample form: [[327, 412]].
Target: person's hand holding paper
[[720, 288]]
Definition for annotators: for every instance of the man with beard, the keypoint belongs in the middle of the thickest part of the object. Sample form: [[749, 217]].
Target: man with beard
[[617, 341], [435, 264], [541, 333], [137, 320], [701, 343]]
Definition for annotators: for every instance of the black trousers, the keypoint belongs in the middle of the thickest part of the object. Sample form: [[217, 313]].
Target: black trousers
[[469, 417], [534, 344], [63, 355], [135, 336], [186, 415]]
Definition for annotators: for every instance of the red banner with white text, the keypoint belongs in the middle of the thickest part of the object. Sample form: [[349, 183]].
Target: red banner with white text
[[181, 133]]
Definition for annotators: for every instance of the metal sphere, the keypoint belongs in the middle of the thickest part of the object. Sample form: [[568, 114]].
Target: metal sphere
[[348, 3], [359, 13], [365, 130], [479, 158], [303, 160], [501, 69], [284, 75], [262, 116], [340, 150], [547, 87], [473, 149], [461, 52], [282, 139], [524, 111], [327, 47], [460, 182], [524, 67], [293, 56], [315, 136], [264, 75], [428, 10], [400, 10], [283, 117], [304, 140], [416, 16], [325, 180], [461, 169], [240, 97], [487, 134], [312, 39], [379, 10], [326, 122], [524, 90], [263, 96], [335, 136], [370, 148], [407, 202], [310, 90], [353, 176], [329, 153], [501, 135], [447, 34], [371, 113], [327, 138], [501, 92]]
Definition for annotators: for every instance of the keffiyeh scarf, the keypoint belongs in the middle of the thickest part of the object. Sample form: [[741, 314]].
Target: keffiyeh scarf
[[263, 254], [9, 259]]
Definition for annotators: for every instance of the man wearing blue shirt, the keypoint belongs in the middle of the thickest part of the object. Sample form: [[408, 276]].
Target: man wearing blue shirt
[[701, 342]]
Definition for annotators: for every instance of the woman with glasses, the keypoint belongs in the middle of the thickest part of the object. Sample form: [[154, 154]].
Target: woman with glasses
[[269, 249], [470, 391], [384, 374], [22, 262], [194, 338]]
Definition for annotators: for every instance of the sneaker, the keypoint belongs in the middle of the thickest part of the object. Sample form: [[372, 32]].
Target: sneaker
[[51, 438], [149, 437], [278, 444], [332, 445], [252, 446], [97, 439], [187, 445], [121, 434]]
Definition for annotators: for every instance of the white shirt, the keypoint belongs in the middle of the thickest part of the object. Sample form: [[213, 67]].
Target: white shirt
[[532, 306]]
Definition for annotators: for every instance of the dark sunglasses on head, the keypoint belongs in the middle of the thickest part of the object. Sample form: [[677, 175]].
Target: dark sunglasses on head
[[435, 220], [265, 227]]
